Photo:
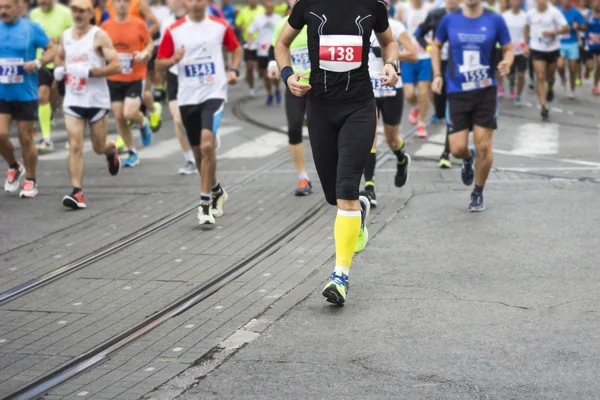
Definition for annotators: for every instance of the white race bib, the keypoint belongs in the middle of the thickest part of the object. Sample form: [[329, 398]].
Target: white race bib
[[340, 53], [11, 70], [474, 75], [301, 59], [126, 63], [199, 71], [594, 39], [74, 84]]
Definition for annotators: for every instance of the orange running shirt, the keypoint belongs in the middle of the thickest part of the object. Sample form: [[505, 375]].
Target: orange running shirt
[[128, 37], [134, 8]]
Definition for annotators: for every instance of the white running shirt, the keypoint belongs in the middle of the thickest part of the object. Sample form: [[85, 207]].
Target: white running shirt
[[516, 28], [84, 92], [550, 20], [162, 14], [376, 63], [412, 19], [201, 72], [265, 26]]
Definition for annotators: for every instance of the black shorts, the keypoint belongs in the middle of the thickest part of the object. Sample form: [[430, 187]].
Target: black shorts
[[250, 55], [92, 114], [295, 110], [152, 59], [172, 86], [20, 110], [585, 55], [390, 108], [595, 52], [341, 137], [120, 90], [46, 78], [199, 117], [263, 62], [476, 107], [520, 64], [548, 56]]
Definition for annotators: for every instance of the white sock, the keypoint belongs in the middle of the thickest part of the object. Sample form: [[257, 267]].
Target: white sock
[[189, 156], [302, 176], [343, 270]]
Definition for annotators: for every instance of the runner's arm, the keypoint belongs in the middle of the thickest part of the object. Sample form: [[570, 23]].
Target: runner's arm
[[149, 16], [59, 58], [105, 47], [423, 29], [167, 55], [283, 55], [389, 47], [410, 52], [49, 53]]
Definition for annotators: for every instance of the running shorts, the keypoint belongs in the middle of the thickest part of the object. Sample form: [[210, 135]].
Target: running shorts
[[92, 114], [46, 78], [570, 51], [549, 57], [584, 54], [199, 117], [172, 86], [20, 110], [121, 90], [263, 62], [250, 55], [476, 107], [595, 52], [519, 65], [341, 138], [390, 108], [412, 73], [295, 110]]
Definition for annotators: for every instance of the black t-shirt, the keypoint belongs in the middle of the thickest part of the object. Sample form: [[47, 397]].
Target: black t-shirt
[[339, 34]]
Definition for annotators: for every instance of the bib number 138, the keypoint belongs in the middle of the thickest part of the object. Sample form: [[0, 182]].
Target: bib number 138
[[340, 53]]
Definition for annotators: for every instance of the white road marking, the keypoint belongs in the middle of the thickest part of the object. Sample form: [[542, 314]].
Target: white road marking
[[171, 146], [259, 147], [304, 130], [429, 150], [537, 139]]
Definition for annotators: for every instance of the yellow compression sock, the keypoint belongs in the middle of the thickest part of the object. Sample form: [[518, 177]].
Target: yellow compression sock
[[346, 231], [45, 118]]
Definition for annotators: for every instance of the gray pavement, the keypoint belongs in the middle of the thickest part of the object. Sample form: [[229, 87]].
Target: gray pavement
[[510, 316]]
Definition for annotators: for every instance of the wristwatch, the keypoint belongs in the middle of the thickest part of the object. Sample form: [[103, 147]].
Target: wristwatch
[[393, 64]]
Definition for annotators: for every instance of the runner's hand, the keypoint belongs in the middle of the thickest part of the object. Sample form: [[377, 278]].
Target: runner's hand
[[272, 70], [59, 73], [30, 67], [140, 56], [389, 76], [232, 77], [79, 71], [503, 68], [298, 89], [548, 34], [437, 85], [179, 54]]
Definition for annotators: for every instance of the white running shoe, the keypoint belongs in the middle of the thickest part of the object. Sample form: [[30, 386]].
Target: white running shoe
[[188, 169], [30, 189], [14, 177], [205, 216]]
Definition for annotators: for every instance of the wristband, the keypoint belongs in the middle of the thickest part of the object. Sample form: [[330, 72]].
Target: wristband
[[237, 73], [38, 64], [286, 72]]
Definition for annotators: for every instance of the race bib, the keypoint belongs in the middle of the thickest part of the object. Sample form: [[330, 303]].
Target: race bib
[[474, 75], [199, 72], [547, 41], [75, 85], [340, 53], [126, 63], [300, 59], [11, 70], [518, 47], [593, 39], [379, 90]]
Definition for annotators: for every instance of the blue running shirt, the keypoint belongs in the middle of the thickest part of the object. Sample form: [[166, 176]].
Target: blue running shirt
[[471, 51], [593, 33], [572, 15], [20, 40]]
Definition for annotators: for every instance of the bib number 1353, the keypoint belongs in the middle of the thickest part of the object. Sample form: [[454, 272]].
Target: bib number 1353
[[340, 53]]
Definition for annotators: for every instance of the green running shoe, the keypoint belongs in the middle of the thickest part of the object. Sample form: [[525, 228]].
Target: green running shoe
[[363, 236], [336, 289]]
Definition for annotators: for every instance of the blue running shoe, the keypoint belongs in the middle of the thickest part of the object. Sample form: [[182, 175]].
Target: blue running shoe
[[435, 119], [477, 203], [278, 97], [132, 161], [336, 289], [146, 133], [467, 173], [270, 100]]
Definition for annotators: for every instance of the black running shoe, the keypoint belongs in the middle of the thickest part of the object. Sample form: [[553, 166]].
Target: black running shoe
[[550, 96], [402, 171], [369, 193], [545, 113]]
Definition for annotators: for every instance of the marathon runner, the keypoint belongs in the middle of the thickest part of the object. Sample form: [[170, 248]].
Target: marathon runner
[[341, 109], [195, 44], [229, 11], [54, 18], [569, 45], [262, 28], [416, 76], [586, 57], [243, 20], [515, 19], [131, 38], [90, 57], [472, 33], [19, 67], [295, 107], [162, 14], [389, 102], [542, 29], [593, 41], [430, 25]]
